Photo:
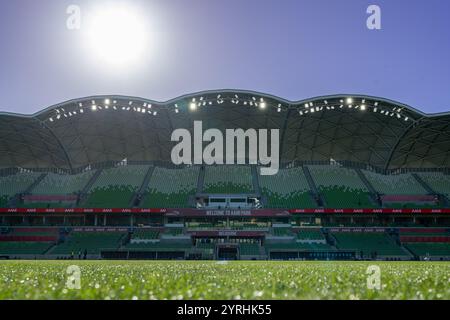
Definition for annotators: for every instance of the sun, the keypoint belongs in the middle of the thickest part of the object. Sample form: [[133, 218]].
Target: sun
[[116, 36]]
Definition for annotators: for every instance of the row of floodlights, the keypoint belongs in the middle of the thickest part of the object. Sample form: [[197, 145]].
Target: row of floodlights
[[351, 104], [196, 103]]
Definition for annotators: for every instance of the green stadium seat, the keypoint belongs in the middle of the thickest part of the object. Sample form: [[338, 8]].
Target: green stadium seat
[[171, 188], [288, 189], [228, 180]]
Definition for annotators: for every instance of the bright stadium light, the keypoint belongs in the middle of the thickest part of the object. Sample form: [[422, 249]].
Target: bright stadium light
[[116, 35], [363, 107], [349, 100], [193, 106], [94, 108]]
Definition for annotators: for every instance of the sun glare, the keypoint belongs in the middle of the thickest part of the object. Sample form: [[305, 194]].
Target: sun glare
[[116, 36]]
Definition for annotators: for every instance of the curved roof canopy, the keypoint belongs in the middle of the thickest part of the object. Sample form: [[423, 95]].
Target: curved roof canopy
[[375, 131]]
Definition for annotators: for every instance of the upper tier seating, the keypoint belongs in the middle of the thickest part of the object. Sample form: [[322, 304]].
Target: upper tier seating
[[93, 242], [369, 243], [288, 189], [438, 181], [55, 184], [171, 188], [115, 187], [17, 183], [228, 179], [341, 187], [395, 184]]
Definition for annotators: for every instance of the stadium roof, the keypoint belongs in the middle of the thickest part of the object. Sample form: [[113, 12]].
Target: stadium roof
[[81, 132]]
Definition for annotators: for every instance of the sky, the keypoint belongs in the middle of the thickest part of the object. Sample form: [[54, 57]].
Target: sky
[[294, 49]]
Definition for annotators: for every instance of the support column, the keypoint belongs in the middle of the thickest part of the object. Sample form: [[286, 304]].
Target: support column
[[104, 220], [96, 220]]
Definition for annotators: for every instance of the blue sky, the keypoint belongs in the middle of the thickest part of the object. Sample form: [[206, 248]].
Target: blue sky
[[294, 49]]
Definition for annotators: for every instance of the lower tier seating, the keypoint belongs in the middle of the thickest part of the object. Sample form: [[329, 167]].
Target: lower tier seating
[[429, 249], [24, 248], [92, 242], [373, 243]]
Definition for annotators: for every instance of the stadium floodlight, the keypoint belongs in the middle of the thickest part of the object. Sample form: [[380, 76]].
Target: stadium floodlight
[[312, 110], [311, 104], [177, 111], [193, 106], [349, 100], [80, 104], [376, 104], [306, 105], [94, 107], [130, 103], [81, 111], [51, 119], [406, 118], [107, 102], [262, 105], [325, 101], [155, 113], [363, 107]]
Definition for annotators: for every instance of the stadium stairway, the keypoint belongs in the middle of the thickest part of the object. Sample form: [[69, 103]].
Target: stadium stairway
[[373, 193], [424, 184], [201, 180], [85, 191], [312, 185], [30, 189], [139, 195], [255, 180]]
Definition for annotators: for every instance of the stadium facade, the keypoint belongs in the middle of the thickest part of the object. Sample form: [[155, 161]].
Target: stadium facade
[[361, 178]]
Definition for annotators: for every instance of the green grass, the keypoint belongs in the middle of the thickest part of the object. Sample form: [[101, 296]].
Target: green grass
[[233, 280]]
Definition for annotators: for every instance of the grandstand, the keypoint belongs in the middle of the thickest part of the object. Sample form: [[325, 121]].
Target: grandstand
[[355, 181]]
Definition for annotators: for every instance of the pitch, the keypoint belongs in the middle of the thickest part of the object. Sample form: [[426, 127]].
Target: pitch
[[223, 280]]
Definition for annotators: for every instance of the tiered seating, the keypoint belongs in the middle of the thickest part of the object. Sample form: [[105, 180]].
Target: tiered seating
[[282, 232], [438, 181], [55, 184], [24, 248], [174, 232], [171, 188], [228, 179], [93, 242], [424, 249], [27, 241], [370, 243], [288, 189], [115, 187], [249, 249], [341, 187], [145, 234], [15, 184], [310, 234], [3, 201], [402, 184], [297, 246], [159, 246], [424, 242]]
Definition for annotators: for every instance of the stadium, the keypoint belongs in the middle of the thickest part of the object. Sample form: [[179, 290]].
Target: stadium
[[361, 178]]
